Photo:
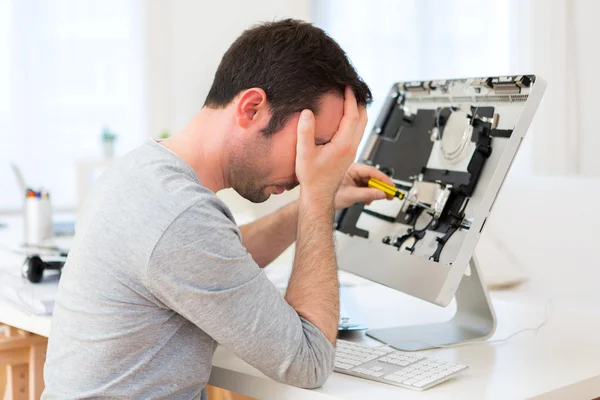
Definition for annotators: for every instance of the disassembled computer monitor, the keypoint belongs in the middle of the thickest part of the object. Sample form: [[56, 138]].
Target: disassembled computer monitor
[[449, 145]]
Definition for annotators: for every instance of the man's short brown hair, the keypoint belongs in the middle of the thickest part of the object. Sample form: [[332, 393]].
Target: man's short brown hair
[[294, 62]]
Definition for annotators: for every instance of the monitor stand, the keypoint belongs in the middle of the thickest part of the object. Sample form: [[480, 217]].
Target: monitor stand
[[474, 320]]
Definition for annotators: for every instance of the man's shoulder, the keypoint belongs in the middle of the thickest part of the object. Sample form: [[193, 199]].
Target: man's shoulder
[[155, 180], [145, 192], [206, 212]]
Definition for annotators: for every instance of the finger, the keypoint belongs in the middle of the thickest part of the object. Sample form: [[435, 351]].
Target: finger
[[306, 133], [365, 172], [348, 123], [362, 124], [366, 195]]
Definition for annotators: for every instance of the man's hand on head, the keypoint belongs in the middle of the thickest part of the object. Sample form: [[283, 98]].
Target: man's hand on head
[[354, 187], [321, 169]]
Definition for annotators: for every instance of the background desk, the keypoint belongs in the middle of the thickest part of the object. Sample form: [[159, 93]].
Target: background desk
[[560, 361]]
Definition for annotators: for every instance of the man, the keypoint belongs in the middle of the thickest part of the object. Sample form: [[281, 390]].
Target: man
[[159, 273]]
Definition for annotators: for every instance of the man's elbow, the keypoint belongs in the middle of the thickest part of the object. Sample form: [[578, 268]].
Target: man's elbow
[[315, 383], [317, 380], [308, 376], [312, 364]]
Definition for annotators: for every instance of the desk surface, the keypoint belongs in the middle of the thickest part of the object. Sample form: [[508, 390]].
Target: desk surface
[[558, 361]]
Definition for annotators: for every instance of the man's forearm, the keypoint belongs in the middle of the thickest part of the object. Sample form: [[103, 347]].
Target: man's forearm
[[266, 238], [313, 289]]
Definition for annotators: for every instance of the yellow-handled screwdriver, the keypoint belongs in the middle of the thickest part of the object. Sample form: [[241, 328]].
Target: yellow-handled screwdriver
[[386, 188]]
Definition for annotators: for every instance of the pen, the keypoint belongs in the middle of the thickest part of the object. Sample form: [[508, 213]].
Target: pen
[[386, 188]]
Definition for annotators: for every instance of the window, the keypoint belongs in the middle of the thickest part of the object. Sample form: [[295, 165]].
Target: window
[[68, 68]]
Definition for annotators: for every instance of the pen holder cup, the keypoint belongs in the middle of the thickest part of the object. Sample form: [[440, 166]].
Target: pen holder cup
[[38, 220]]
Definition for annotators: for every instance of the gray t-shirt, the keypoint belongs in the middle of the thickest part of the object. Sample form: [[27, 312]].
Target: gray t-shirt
[[156, 277]]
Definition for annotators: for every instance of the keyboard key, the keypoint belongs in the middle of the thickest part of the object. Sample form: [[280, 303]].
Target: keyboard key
[[394, 378], [355, 358], [360, 370], [376, 368], [424, 382], [348, 361], [343, 366], [369, 372]]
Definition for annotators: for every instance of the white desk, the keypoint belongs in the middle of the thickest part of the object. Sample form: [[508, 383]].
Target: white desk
[[560, 361]]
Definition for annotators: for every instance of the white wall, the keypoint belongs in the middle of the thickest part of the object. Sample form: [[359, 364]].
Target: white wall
[[68, 69], [565, 51]]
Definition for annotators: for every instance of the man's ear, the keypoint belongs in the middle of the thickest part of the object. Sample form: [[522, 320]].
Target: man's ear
[[252, 109]]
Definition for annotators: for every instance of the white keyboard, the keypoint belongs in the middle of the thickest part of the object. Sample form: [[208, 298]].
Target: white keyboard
[[384, 364]]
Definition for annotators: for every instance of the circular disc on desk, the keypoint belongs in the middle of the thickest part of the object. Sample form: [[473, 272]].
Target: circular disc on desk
[[351, 327]]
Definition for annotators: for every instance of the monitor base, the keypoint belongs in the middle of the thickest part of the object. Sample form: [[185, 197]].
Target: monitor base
[[474, 320]]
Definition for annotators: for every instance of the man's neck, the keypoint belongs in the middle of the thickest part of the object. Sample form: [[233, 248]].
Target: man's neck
[[201, 145]]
